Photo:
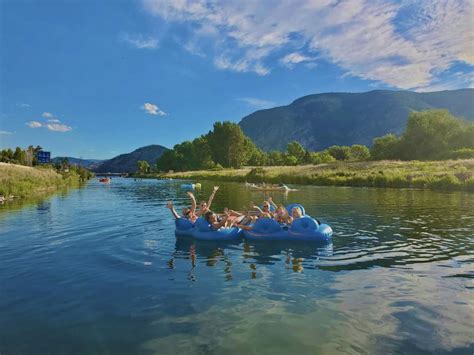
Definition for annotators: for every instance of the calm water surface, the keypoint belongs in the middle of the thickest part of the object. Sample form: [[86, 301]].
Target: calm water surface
[[99, 271]]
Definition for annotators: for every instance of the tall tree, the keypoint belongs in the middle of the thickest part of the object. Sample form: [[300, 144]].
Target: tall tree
[[297, 150], [228, 145], [143, 166]]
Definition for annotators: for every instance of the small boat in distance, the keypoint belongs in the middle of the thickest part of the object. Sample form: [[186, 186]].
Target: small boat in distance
[[268, 187], [105, 180]]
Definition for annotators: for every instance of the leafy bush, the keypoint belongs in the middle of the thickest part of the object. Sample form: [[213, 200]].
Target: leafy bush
[[463, 153]]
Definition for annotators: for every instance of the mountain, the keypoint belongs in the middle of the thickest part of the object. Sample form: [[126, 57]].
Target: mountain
[[86, 163], [321, 120], [127, 163]]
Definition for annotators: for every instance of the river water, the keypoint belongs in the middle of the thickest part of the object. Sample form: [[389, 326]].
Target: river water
[[98, 270]]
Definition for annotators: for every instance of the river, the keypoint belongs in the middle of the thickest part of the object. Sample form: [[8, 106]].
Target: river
[[98, 270]]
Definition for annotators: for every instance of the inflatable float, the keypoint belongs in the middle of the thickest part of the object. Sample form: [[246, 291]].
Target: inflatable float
[[304, 229], [195, 186], [268, 188], [201, 230]]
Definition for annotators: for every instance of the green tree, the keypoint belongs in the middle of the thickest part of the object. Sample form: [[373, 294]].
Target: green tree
[[229, 146], [167, 161], [19, 156], [7, 155], [257, 158], [359, 152], [321, 158], [430, 134], [340, 152], [143, 166], [297, 150], [290, 160], [385, 147], [275, 158]]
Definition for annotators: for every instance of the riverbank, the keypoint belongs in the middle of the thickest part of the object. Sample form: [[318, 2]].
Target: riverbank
[[24, 181], [436, 175]]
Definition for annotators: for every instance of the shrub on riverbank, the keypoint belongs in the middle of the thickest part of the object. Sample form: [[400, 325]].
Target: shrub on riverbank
[[22, 181]]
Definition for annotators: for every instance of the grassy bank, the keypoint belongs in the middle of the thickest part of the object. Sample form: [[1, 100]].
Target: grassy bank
[[437, 175], [24, 181]]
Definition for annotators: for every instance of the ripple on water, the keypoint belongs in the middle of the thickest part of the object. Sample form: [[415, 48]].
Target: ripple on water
[[102, 264]]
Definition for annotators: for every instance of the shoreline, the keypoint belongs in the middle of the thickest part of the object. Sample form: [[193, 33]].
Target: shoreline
[[451, 175], [23, 182]]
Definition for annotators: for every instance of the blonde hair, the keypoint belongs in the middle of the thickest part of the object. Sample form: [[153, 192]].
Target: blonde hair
[[296, 210]]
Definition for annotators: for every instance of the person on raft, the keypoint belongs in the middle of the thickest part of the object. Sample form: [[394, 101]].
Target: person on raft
[[204, 206], [264, 212], [296, 212], [213, 220], [187, 212]]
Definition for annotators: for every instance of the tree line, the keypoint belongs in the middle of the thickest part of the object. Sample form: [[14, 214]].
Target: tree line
[[27, 157], [429, 135], [20, 156]]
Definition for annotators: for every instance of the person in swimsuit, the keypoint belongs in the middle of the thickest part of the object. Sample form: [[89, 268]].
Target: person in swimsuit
[[204, 206], [187, 212], [211, 217], [264, 212]]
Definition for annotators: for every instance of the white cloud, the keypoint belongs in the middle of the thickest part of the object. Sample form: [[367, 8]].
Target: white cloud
[[295, 58], [47, 115], [405, 44], [51, 124], [140, 41], [34, 124], [192, 48], [256, 103], [153, 109], [5, 132], [58, 127], [24, 105]]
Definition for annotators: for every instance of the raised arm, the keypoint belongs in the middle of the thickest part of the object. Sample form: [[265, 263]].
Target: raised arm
[[270, 201], [209, 202], [257, 208], [173, 211], [193, 201]]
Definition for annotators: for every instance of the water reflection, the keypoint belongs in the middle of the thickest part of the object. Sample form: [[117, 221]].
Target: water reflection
[[99, 270]]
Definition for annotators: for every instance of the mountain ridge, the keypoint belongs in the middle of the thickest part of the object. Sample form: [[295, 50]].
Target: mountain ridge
[[345, 118], [127, 163]]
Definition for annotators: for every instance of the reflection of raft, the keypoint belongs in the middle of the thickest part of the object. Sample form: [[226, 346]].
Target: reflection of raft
[[105, 180]]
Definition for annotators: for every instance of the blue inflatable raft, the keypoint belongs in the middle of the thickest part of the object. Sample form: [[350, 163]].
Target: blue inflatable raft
[[302, 229], [201, 230], [265, 229]]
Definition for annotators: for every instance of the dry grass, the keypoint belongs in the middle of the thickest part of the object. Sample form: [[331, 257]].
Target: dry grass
[[21, 181], [448, 174]]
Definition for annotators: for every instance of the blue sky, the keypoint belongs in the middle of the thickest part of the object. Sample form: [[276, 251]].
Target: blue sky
[[94, 79]]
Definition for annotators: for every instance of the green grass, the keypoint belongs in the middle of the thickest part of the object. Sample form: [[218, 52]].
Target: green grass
[[436, 175], [23, 181]]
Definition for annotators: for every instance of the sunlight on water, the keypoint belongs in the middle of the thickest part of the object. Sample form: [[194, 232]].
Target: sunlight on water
[[99, 270]]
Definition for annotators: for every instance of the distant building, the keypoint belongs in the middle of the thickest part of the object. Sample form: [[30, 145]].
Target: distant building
[[43, 157]]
